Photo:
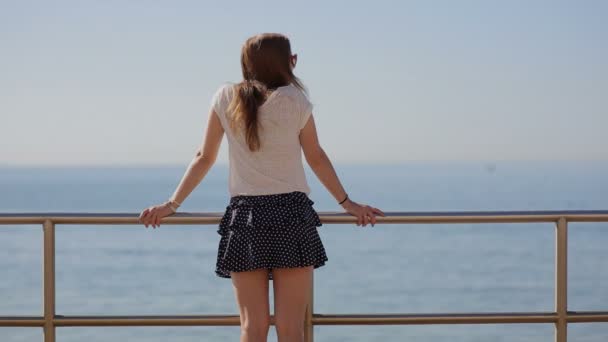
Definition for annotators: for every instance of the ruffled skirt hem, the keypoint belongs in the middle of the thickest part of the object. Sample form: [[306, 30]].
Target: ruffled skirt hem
[[267, 232]]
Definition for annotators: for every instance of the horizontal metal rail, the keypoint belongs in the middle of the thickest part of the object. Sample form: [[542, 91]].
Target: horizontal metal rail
[[318, 319], [331, 217], [560, 317]]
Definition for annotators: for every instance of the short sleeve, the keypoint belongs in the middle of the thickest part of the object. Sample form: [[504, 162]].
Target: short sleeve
[[221, 99], [305, 110]]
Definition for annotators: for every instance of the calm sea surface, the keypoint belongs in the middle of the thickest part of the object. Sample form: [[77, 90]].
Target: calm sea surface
[[125, 270]]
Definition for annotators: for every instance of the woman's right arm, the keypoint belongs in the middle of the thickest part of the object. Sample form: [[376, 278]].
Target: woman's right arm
[[321, 165]]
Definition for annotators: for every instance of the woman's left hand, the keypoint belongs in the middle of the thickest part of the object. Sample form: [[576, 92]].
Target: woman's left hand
[[153, 215]]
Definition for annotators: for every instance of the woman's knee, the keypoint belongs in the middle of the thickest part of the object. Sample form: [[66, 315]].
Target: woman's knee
[[289, 329], [257, 328]]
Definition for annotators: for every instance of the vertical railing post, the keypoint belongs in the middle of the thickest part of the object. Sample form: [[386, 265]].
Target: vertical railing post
[[308, 326], [48, 291], [561, 280]]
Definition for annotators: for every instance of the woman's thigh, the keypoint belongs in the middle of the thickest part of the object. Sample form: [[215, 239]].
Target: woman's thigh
[[251, 292], [292, 289]]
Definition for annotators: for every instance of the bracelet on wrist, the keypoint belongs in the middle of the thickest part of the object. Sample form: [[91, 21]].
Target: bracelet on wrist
[[345, 198], [171, 206]]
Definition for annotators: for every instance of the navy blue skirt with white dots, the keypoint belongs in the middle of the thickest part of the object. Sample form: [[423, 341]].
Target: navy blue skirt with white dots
[[269, 231]]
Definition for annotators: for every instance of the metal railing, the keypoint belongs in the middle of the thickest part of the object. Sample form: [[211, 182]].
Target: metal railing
[[560, 316]]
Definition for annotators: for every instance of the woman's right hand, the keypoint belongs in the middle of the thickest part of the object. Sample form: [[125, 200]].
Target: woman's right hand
[[365, 214], [153, 215]]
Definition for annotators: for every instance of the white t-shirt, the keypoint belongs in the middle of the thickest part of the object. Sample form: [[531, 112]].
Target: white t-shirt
[[277, 166]]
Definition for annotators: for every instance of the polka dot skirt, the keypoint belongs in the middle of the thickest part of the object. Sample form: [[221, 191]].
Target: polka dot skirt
[[269, 231]]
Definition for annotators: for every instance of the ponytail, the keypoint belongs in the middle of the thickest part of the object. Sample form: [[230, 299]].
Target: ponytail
[[250, 94]]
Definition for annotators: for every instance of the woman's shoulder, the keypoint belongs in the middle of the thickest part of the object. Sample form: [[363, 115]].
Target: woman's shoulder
[[222, 96], [295, 93], [225, 89]]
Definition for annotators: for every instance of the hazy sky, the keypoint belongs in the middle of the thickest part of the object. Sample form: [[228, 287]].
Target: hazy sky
[[129, 82]]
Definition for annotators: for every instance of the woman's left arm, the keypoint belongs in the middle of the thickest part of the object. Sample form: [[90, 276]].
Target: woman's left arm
[[205, 157]]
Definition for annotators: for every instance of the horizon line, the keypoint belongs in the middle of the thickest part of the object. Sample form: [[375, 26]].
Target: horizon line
[[350, 163]]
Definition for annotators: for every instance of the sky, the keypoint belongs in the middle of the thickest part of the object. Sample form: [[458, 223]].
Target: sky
[[130, 82]]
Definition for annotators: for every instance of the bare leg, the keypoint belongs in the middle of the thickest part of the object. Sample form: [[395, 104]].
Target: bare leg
[[251, 291], [291, 295]]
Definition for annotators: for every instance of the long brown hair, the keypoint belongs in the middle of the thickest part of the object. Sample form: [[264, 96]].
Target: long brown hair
[[265, 63]]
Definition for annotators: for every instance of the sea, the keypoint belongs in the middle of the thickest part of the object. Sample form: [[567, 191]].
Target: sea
[[389, 268]]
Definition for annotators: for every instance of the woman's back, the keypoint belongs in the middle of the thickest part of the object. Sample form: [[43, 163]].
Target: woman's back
[[269, 228], [277, 166]]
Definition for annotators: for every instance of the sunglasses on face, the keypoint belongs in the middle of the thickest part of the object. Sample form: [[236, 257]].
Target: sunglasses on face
[[294, 59]]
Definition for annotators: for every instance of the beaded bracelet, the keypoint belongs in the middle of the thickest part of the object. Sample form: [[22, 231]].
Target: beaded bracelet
[[344, 199], [173, 209], [172, 206]]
